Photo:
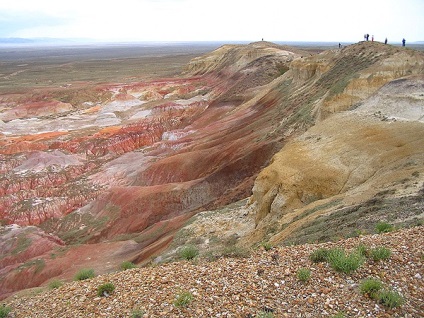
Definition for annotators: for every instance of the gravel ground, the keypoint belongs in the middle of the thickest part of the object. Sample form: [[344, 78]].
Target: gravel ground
[[247, 287]]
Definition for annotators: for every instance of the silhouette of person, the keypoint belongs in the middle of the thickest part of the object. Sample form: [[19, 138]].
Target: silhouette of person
[[385, 41], [372, 38], [340, 45], [403, 42], [368, 36]]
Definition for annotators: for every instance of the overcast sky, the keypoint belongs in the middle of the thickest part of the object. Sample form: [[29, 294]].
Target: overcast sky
[[214, 20]]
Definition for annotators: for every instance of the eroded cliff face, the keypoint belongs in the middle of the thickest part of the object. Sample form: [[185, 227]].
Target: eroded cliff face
[[347, 160]]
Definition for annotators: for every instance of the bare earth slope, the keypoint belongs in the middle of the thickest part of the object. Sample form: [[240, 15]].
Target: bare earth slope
[[114, 170]]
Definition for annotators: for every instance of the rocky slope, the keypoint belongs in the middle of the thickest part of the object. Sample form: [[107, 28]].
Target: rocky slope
[[114, 175], [264, 283]]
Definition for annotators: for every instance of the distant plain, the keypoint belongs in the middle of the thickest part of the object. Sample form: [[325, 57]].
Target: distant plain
[[26, 67], [23, 68]]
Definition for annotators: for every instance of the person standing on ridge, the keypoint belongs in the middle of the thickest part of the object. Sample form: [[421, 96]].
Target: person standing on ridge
[[403, 42], [372, 38], [385, 41]]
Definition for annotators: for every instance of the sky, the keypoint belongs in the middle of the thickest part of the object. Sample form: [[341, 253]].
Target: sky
[[214, 20]]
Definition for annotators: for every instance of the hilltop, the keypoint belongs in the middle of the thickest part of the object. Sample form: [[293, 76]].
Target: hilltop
[[251, 143]]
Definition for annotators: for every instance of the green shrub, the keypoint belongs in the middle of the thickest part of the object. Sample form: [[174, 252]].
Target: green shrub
[[341, 262], [319, 255], [303, 274], [55, 283], [127, 265], [84, 274], [105, 289], [371, 287], [390, 298], [137, 313], [380, 253], [189, 252], [183, 299], [383, 227], [4, 311], [339, 315]]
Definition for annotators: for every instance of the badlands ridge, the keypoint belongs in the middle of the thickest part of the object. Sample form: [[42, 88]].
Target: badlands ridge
[[286, 146]]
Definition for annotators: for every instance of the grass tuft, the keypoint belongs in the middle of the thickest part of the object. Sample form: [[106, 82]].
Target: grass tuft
[[55, 283], [4, 311], [371, 287], [267, 246], [265, 314], [127, 265], [303, 274], [383, 227], [319, 255], [105, 289], [137, 313], [84, 274], [183, 299], [362, 249], [390, 298], [380, 253], [342, 262], [189, 252]]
